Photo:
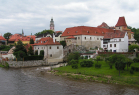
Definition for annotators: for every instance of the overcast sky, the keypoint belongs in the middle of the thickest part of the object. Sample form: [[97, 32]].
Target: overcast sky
[[34, 15]]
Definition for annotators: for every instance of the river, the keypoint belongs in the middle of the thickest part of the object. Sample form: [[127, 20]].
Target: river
[[35, 81]]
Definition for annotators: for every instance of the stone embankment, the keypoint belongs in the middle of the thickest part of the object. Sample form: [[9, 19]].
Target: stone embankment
[[21, 64]]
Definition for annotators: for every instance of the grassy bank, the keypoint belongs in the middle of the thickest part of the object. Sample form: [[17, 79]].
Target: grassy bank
[[103, 74]]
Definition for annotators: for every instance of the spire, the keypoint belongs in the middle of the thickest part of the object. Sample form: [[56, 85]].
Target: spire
[[121, 22], [22, 32], [52, 24]]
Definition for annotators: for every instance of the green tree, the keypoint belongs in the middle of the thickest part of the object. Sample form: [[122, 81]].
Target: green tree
[[30, 51], [44, 31], [136, 36], [74, 56], [63, 43], [120, 63], [31, 41], [19, 47], [6, 36], [36, 52], [42, 52], [132, 47], [128, 62]]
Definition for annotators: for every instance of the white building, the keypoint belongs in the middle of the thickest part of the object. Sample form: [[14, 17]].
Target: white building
[[115, 42], [53, 50]]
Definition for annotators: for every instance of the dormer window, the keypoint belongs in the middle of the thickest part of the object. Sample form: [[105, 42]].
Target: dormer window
[[76, 31], [102, 32], [68, 32], [95, 32], [87, 31]]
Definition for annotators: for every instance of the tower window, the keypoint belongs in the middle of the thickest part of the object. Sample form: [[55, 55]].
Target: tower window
[[50, 55], [49, 47], [85, 38], [57, 47]]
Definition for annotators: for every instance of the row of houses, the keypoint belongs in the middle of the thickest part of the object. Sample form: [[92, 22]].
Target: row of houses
[[114, 39]]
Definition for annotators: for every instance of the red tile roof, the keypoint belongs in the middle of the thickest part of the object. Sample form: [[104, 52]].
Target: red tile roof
[[2, 38], [58, 31], [103, 25], [116, 34], [46, 41], [121, 22], [71, 37], [85, 30], [17, 37], [132, 32], [28, 45]]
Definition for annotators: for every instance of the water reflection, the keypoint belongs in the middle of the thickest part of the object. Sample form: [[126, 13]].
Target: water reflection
[[35, 81]]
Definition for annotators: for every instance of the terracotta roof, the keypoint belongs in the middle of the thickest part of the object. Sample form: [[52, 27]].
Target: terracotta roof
[[46, 41], [85, 30], [2, 38], [28, 45], [121, 22], [71, 37], [116, 34], [132, 32], [58, 31], [14, 37], [103, 25]]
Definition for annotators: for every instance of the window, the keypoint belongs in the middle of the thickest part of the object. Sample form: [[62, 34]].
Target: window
[[103, 45], [42, 47], [57, 47], [110, 45], [85, 38], [120, 40], [97, 38], [78, 37], [90, 38], [49, 47], [50, 55], [114, 45], [75, 38], [35, 47]]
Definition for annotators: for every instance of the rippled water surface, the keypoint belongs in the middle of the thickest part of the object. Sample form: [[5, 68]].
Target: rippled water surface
[[34, 81]]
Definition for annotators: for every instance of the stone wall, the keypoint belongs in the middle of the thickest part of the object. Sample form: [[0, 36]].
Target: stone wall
[[22, 64]]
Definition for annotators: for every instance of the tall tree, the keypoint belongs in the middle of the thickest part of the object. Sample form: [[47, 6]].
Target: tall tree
[[19, 47], [30, 51], [31, 41], [6, 36], [136, 36]]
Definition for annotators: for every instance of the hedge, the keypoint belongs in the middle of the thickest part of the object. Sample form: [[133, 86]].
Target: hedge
[[33, 57]]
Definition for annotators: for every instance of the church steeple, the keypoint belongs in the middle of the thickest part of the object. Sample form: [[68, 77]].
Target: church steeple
[[52, 24]]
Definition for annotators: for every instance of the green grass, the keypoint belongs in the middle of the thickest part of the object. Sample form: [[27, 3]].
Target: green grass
[[103, 73]]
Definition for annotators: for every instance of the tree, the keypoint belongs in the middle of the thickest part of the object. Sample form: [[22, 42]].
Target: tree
[[44, 31], [6, 36], [30, 51], [132, 47], [136, 36], [19, 47], [42, 52], [31, 41], [128, 62], [63, 43], [74, 56], [120, 63]]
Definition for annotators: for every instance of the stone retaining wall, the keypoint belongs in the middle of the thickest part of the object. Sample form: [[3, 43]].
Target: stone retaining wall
[[21, 64]]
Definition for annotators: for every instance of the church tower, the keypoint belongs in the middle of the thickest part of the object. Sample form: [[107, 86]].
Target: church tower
[[52, 24]]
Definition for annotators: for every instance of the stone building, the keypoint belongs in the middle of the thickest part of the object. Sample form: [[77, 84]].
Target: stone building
[[53, 50]]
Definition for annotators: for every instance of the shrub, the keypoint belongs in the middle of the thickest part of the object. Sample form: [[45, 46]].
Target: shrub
[[97, 65], [131, 71], [135, 68], [74, 66], [34, 57], [36, 52], [86, 63], [73, 62], [136, 59], [42, 52]]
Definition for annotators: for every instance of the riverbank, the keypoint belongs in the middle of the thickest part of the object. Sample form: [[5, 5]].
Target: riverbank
[[103, 74]]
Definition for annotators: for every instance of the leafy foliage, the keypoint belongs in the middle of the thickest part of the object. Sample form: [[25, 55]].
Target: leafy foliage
[[31, 41], [33, 57], [74, 56], [63, 43], [5, 48], [6, 35], [74, 66], [42, 52], [136, 59], [86, 63], [18, 48], [30, 51], [44, 31], [97, 65], [36, 52], [128, 62], [132, 47]]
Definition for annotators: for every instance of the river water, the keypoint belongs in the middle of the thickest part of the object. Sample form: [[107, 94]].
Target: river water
[[35, 81]]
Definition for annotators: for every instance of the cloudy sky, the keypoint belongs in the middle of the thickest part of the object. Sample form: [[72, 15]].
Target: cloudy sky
[[34, 15]]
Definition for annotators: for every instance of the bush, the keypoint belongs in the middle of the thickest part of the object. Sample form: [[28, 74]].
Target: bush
[[36, 52], [136, 59], [73, 62], [86, 63], [74, 66], [42, 52], [33, 57], [131, 71], [97, 65], [135, 68]]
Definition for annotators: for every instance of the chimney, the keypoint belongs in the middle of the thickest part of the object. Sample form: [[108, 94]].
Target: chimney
[[53, 38]]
